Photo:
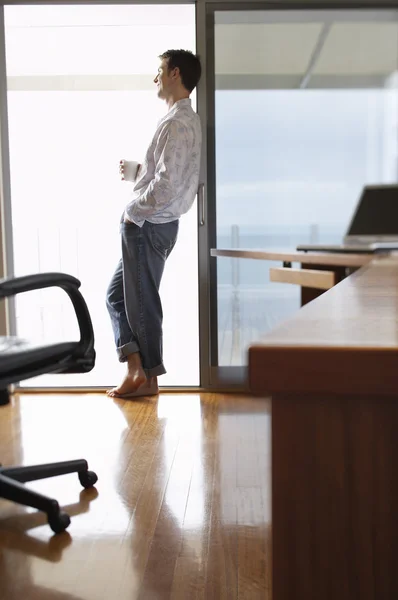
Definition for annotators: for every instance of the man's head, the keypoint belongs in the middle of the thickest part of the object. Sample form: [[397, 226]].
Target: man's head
[[178, 74]]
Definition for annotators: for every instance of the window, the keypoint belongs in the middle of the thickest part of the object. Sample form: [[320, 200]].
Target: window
[[81, 97]]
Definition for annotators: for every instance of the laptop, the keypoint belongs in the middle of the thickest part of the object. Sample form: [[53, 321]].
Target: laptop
[[373, 226]]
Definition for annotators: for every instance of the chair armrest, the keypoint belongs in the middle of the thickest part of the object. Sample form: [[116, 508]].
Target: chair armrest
[[10, 286]]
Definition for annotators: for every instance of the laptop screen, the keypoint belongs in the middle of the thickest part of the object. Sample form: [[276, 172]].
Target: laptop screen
[[377, 212]]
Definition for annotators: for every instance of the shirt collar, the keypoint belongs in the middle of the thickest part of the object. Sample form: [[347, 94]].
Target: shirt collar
[[180, 103]]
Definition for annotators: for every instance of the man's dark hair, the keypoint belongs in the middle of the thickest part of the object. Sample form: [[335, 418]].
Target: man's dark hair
[[188, 64]]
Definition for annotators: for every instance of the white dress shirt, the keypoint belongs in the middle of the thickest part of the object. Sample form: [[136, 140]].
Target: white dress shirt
[[168, 179]]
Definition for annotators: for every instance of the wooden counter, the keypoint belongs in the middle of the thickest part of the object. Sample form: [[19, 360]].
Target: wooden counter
[[332, 372]]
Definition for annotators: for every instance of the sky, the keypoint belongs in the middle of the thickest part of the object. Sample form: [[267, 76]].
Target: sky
[[292, 158]]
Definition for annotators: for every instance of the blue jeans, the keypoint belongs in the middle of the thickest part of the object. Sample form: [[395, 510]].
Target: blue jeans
[[133, 299]]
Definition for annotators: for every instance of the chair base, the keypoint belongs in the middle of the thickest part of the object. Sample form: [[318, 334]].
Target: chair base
[[12, 488], [4, 396]]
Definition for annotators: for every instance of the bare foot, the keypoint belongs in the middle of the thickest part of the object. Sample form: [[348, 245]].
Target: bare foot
[[134, 378], [148, 388], [129, 385]]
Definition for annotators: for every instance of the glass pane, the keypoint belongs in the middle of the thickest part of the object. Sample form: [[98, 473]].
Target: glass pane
[[306, 114], [81, 97]]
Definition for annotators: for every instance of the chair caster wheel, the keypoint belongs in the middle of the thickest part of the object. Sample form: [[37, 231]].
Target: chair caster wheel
[[88, 479], [59, 523]]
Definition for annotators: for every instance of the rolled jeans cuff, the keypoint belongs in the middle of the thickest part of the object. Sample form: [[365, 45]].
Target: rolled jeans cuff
[[124, 351]]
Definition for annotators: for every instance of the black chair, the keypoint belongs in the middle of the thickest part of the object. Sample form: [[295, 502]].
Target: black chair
[[21, 359]]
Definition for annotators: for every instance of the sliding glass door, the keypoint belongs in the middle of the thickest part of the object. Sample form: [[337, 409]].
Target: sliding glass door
[[80, 98], [299, 111], [302, 112]]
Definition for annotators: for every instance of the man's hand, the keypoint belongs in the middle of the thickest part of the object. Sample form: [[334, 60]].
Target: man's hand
[[121, 169], [127, 221]]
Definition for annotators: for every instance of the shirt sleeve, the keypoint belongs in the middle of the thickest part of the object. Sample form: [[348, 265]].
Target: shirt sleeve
[[171, 154]]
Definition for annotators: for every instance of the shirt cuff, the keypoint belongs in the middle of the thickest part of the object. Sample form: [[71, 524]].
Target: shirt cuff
[[129, 212], [126, 212], [130, 170]]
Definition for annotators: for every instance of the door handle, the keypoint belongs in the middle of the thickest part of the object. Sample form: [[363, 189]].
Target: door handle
[[201, 201]]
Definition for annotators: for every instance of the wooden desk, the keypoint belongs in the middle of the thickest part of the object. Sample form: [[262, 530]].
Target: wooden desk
[[309, 258], [332, 372], [315, 267]]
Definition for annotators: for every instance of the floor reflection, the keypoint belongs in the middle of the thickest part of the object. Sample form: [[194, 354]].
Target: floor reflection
[[182, 498]]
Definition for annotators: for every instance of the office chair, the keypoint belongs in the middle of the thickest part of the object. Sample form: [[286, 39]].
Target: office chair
[[21, 359]]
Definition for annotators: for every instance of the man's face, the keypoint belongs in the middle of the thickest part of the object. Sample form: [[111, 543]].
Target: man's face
[[164, 80]]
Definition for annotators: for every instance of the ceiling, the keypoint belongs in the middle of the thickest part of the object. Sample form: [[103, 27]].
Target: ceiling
[[313, 54]]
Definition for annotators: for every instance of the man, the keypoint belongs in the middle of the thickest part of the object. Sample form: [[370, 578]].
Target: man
[[165, 186]]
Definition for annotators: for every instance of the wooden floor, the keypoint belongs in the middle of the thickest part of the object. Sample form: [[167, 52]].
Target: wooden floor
[[181, 509]]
